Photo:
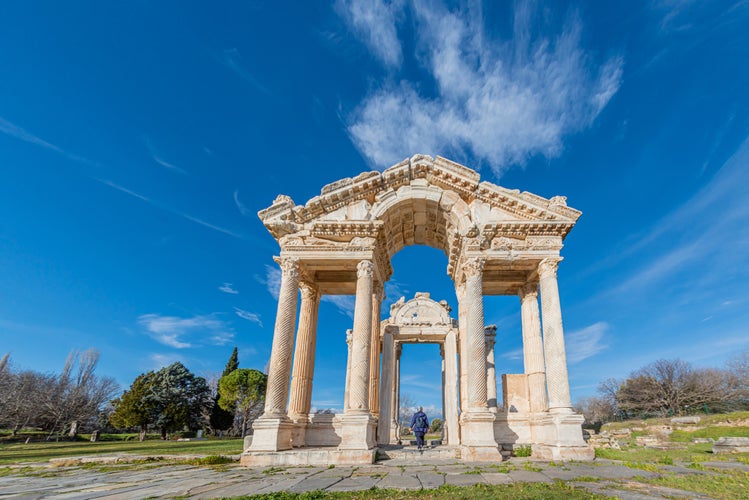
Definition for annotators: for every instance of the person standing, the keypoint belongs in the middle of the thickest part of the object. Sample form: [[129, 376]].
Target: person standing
[[420, 426]]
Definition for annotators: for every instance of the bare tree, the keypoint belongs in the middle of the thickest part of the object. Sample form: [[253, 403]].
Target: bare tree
[[673, 387], [77, 394], [738, 366]]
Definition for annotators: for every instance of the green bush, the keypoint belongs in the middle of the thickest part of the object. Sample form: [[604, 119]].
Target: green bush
[[522, 451]]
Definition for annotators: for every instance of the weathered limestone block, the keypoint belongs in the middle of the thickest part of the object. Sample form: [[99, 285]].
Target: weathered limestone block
[[731, 445], [515, 393], [686, 420]]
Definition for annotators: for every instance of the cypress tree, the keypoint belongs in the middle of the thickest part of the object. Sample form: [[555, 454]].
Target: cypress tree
[[221, 419]]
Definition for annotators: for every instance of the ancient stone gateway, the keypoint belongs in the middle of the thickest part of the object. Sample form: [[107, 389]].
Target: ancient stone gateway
[[498, 242]]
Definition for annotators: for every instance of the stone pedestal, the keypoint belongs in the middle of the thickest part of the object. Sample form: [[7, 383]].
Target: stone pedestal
[[299, 430], [358, 432], [271, 434], [477, 436], [559, 436]]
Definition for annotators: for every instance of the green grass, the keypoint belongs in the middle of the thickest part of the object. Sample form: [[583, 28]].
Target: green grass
[[13, 453], [519, 491], [728, 484], [692, 453], [713, 432]]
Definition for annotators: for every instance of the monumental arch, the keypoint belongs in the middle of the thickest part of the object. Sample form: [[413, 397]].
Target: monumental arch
[[498, 241]]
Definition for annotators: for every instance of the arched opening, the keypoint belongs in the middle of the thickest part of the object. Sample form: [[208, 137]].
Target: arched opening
[[420, 268]]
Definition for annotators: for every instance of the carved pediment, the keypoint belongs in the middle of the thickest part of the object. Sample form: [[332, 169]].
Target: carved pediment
[[420, 311]]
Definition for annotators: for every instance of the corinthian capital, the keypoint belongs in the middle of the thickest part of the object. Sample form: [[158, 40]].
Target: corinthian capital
[[378, 290], [309, 290], [548, 267], [365, 269], [529, 291], [289, 266], [474, 266]]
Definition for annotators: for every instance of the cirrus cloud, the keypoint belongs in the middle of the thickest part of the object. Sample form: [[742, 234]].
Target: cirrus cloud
[[182, 333], [500, 101]]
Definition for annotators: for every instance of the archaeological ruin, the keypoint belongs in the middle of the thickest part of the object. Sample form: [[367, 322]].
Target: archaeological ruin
[[498, 242]]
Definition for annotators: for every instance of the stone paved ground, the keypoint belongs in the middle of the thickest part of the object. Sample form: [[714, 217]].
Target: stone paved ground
[[128, 481]]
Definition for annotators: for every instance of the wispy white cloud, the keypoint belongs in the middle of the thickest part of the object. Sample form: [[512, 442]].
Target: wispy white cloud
[[21, 134], [501, 102], [155, 156], [196, 220], [271, 280], [182, 333], [514, 354], [587, 342], [232, 59], [394, 290], [228, 288], [344, 303], [158, 361], [694, 235], [374, 21], [249, 316], [241, 206]]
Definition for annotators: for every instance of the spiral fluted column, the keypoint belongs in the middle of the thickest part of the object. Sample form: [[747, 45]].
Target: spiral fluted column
[[374, 343], [304, 352], [360, 350], [556, 358], [533, 348], [279, 367], [475, 342]]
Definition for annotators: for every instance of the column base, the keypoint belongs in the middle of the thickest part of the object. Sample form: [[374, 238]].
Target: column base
[[477, 436], [558, 435], [358, 431], [271, 434], [299, 430]]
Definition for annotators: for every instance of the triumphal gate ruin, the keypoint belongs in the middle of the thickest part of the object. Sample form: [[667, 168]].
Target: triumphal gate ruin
[[498, 242]]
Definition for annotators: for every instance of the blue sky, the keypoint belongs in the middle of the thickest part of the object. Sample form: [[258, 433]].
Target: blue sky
[[138, 141]]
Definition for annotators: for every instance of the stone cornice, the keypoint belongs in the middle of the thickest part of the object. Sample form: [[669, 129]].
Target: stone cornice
[[284, 217]]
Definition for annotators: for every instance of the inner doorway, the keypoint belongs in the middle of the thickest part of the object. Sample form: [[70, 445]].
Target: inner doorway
[[421, 383]]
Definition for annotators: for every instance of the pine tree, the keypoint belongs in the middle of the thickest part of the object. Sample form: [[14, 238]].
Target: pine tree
[[222, 419]]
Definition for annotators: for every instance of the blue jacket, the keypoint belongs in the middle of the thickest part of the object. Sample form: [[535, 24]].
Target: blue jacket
[[422, 428]]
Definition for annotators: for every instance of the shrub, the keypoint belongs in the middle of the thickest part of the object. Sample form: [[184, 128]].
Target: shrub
[[523, 451]]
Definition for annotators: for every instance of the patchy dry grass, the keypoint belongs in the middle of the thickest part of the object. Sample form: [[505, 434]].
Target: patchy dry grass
[[519, 491], [728, 484]]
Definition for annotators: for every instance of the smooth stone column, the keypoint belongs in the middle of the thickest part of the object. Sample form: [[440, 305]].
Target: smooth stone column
[[374, 359], [272, 431], [463, 360], [304, 362], [444, 388], [386, 389], [349, 340], [451, 389], [556, 358], [533, 348], [475, 341], [491, 374], [395, 396]]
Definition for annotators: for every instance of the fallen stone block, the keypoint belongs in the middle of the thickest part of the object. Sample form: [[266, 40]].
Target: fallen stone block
[[731, 445], [686, 420]]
